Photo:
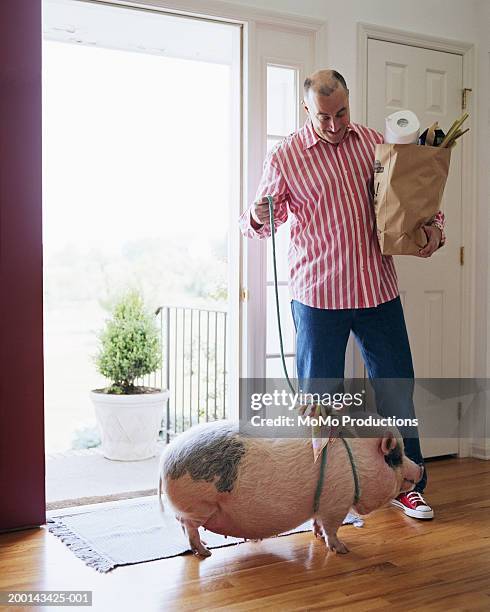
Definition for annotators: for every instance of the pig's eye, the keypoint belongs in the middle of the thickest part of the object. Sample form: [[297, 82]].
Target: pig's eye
[[395, 457]]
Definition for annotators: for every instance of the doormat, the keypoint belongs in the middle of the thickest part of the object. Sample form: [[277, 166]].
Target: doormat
[[125, 532]]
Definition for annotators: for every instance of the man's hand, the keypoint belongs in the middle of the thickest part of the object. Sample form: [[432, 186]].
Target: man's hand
[[434, 237], [260, 209]]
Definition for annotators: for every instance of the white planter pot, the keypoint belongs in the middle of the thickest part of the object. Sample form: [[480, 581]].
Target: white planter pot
[[129, 424]]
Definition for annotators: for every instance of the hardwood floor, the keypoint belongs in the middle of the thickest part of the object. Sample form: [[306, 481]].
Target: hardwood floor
[[395, 563]]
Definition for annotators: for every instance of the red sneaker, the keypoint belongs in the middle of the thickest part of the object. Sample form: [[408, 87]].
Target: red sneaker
[[414, 505]]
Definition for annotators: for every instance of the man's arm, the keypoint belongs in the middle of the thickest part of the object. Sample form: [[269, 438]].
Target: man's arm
[[254, 222]]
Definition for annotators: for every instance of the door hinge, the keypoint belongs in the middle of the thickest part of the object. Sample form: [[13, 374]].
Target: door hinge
[[461, 256], [244, 294], [464, 97], [460, 409]]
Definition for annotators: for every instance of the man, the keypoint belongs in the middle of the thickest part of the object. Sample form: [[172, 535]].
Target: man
[[322, 176]]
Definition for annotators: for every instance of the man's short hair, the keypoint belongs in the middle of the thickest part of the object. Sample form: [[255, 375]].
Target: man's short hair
[[324, 89]]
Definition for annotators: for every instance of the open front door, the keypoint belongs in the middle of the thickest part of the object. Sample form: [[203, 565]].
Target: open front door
[[21, 326]]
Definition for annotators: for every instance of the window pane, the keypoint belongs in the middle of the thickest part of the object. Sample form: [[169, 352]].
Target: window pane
[[274, 367], [282, 105], [287, 325], [282, 246], [281, 100], [271, 141]]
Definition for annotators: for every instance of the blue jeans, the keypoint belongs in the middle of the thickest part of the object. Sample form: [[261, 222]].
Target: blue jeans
[[321, 341]]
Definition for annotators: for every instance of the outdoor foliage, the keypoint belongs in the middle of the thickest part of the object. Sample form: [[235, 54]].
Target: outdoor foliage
[[162, 268], [129, 346]]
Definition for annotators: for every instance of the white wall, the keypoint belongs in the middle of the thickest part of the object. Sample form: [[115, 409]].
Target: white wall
[[443, 18]]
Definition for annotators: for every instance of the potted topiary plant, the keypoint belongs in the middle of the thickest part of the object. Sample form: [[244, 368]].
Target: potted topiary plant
[[129, 416]]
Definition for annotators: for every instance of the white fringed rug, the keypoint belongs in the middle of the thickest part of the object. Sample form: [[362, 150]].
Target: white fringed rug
[[130, 531]]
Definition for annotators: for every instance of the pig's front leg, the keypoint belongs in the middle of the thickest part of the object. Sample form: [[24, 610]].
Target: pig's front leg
[[334, 544], [330, 522], [195, 542]]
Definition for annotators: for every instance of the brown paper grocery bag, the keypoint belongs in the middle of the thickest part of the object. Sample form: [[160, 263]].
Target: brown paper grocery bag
[[409, 181]]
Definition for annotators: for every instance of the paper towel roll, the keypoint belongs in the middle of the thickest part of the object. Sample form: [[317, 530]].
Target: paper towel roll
[[402, 127]]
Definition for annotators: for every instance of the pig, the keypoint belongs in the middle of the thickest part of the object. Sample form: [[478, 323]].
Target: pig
[[253, 488]]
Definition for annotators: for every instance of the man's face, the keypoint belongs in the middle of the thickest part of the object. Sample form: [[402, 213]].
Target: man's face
[[330, 115]]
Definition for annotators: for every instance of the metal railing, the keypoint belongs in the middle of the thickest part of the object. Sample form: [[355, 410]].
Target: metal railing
[[193, 366]]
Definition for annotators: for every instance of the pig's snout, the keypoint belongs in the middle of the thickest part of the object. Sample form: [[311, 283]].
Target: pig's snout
[[412, 476], [419, 477]]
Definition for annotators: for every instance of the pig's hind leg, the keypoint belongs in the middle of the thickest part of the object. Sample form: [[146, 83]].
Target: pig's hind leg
[[317, 529], [330, 521]]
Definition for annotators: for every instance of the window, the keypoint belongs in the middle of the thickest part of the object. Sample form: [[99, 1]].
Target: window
[[282, 120]]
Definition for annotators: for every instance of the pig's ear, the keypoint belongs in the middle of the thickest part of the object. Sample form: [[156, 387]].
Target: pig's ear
[[388, 442]]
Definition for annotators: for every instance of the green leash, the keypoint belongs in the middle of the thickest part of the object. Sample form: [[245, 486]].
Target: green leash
[[278, 313], [323, 464], [319, 484], [357, 488]]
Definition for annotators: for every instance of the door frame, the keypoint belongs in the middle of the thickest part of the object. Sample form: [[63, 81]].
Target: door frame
[[365, 32]]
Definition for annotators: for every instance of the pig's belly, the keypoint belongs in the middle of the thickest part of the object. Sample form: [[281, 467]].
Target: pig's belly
[[224, 526], [256, 525]]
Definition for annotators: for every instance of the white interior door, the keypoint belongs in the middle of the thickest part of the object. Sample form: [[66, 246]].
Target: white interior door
[[429, 83], [282, 61]]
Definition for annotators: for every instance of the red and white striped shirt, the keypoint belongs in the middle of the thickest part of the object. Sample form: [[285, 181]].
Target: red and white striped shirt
[[334, 257]]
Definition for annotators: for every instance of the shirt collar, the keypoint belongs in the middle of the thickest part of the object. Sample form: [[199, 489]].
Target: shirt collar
[[311, 138]]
